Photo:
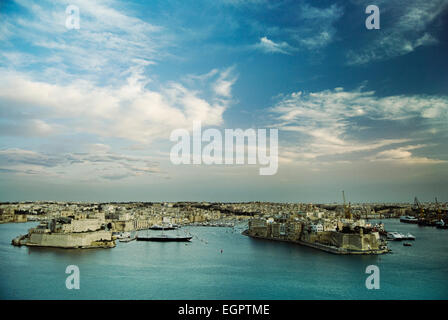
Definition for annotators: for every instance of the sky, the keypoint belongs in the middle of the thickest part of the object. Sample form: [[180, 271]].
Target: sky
[[86, 113]]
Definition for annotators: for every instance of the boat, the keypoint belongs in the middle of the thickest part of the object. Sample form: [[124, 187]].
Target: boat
[[164, 238], [406, 244], [123, 235], [157, 227], [395, 236], [128, 237], [441, 224], [408, 236], [408, 219]]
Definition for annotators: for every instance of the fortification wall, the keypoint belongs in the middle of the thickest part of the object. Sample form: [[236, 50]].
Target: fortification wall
[[68, 240], [82, 225]]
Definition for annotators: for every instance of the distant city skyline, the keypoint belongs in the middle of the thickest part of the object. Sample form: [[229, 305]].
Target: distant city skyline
[[86, 114]]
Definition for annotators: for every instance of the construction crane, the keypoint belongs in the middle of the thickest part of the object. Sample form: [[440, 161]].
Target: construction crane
[[418, 206], [438, 210], [347, 211]]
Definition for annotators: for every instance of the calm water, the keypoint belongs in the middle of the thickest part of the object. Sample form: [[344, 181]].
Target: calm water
[[246, 269]]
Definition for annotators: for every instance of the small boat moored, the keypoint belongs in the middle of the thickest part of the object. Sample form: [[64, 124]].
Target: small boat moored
[[127, 237], [123, 235]]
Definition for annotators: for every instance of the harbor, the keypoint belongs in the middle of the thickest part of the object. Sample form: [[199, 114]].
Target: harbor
[[225, 265], [343, 229], [223, 251]]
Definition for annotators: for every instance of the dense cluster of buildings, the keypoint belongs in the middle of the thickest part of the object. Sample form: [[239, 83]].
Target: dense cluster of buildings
[[117, 216], [141, 215], [327, 231], [92, 224]]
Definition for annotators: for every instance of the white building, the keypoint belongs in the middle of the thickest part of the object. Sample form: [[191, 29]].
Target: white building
[[318, 227]]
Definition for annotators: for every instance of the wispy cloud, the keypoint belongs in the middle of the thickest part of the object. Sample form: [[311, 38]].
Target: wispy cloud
[[318, 30], [311, 29], [108, 42]]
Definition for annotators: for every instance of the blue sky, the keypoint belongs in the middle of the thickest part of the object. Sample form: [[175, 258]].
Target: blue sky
[[86, 114]]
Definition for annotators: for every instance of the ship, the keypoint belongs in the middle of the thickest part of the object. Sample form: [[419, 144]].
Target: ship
[[396, 236], [164, 238], [441, 224], [409, 219], [408, 236], [157, 227]]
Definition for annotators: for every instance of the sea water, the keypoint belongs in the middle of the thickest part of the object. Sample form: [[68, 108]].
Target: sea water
[[220, 263]]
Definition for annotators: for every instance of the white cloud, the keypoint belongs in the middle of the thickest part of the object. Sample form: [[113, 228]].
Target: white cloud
[[132, 111], [329, 123], [93, 83], [338, 104], [97, 163], [269, 46], [404, 155], [224, 83]]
